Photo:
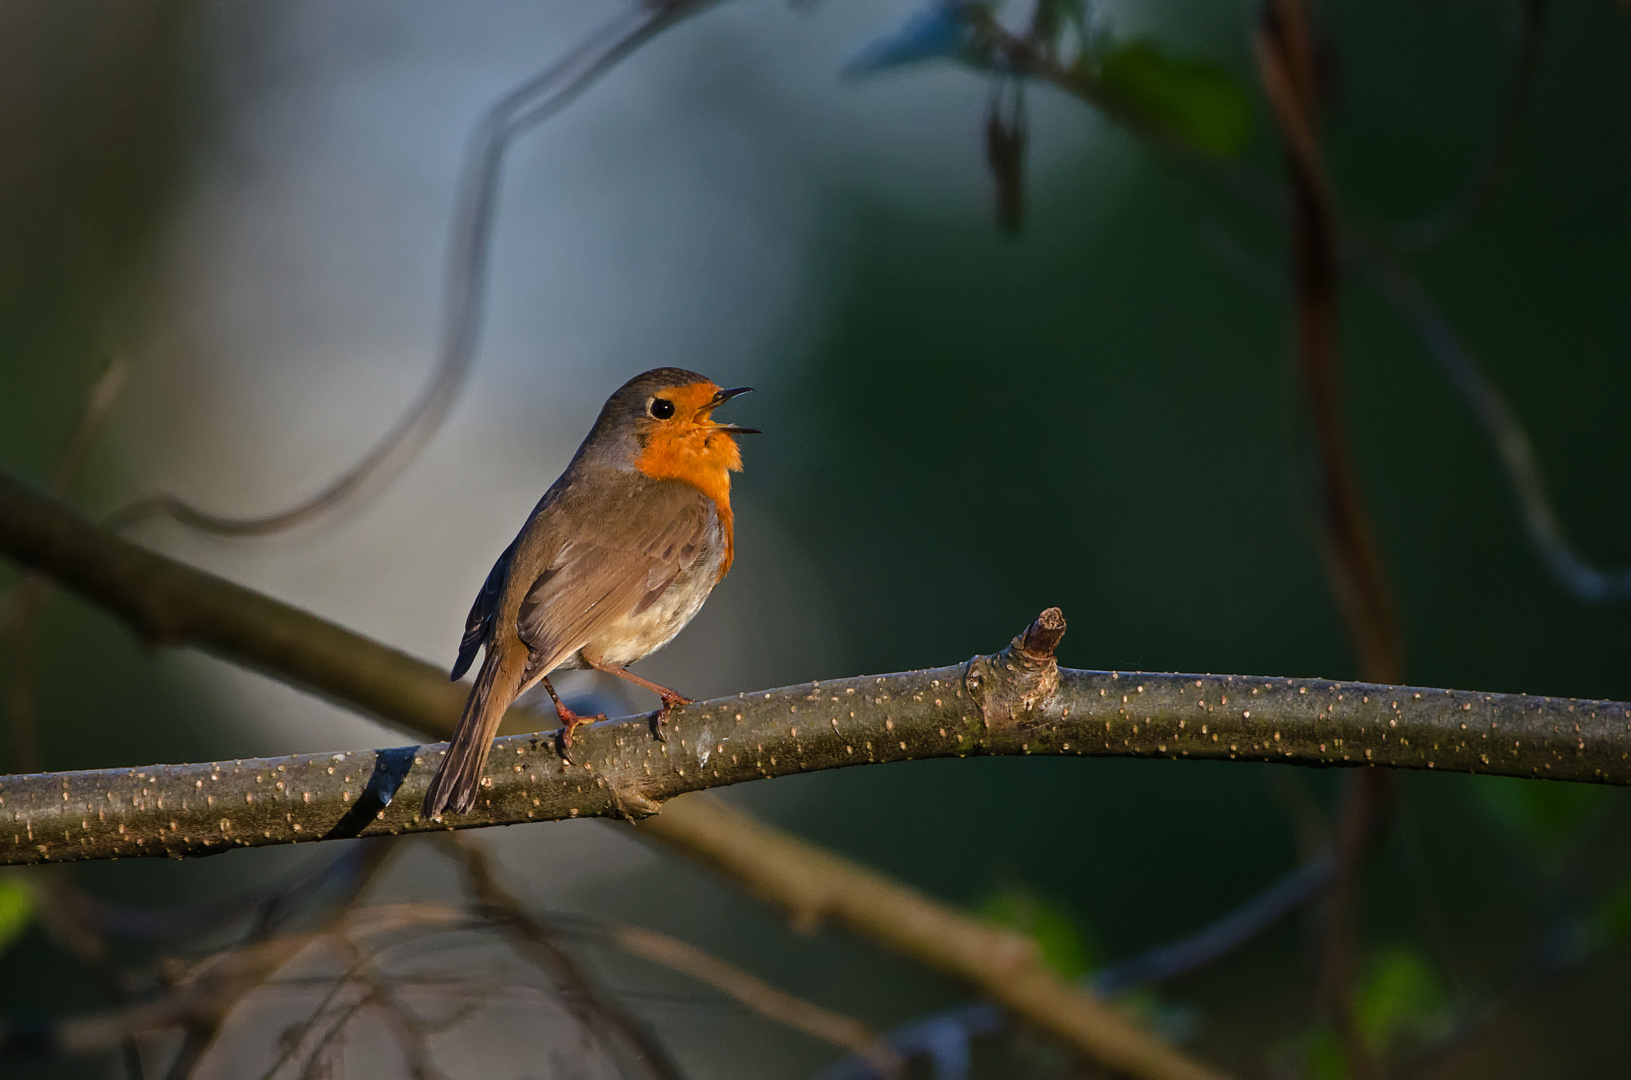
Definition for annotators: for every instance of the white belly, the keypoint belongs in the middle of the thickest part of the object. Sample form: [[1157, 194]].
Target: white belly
[[636, 636]]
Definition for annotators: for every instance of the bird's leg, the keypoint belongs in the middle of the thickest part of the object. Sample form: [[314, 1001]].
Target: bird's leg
[[670, 698], [569, 719]]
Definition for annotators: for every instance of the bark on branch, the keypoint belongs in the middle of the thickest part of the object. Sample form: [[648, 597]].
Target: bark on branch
[[1013, 702], [990, 705], [1016, 702]]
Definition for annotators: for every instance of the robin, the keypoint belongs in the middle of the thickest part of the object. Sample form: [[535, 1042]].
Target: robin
[[617, 557]]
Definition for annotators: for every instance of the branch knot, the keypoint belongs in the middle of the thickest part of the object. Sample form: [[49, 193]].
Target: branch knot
[[630, 803], [1010, 686]]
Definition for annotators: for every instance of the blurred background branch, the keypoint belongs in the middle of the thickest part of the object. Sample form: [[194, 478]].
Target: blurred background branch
[[946, 1038], [1015, 702], [21, 605], [465, 281], [1144, 381], [812, 887], [597, 1013]]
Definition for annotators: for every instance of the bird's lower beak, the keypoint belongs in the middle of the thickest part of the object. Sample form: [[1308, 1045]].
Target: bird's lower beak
[[720, 399]]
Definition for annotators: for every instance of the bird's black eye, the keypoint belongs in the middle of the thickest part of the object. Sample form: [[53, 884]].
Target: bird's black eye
[[661, 408]]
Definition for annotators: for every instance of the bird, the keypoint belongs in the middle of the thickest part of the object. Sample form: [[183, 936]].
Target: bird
[[616, 558]]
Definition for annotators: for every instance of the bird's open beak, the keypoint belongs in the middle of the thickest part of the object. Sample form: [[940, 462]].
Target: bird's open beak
[[720, 399]]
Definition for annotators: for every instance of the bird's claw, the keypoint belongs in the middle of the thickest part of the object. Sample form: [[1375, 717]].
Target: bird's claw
[[569, 723], [660, 717]]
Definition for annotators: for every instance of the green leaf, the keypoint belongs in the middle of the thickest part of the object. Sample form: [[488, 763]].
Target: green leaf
[[1060, 942], [1399, 996], [1543, 812], [1325, 1059], [16, 911], [1194, 99]]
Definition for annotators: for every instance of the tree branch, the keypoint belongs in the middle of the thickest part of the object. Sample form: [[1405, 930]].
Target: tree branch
[[1286, 61], [169, 603], [1015, 702], [814, 886], [535, 100], [23, 603], [1288, 64], [956, 711], [168, 810]]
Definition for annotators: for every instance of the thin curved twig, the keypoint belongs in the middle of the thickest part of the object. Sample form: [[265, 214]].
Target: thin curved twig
[[22, 605], [754, 993], [79, 937], [1512, 445], [268, 906], [1490, 176], [295, 1036], [1287, 59], [1399, 290], [1285, 53], [813, 887], [1516, 453], [358, 793], [1000, 704], [21, 611], [368, 860], [944, 1037], [523, 108], [537, 942]]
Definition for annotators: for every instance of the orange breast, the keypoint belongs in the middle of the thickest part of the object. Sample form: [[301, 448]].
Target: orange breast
[[698, 455]]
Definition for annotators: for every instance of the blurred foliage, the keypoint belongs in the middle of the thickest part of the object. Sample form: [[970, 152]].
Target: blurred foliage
[[1325, 1057], [1060, 940], [1104, 418], [1101, 416], [16, 910], [1177, 1023], [1197, 101], [1399, 999], [1542, 814]]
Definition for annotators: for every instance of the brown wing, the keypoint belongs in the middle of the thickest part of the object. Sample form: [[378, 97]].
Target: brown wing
[[646, 541], [479, 622]]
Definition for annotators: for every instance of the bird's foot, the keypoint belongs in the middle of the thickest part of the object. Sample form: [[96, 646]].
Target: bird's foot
[[569, 723], [660, 717]]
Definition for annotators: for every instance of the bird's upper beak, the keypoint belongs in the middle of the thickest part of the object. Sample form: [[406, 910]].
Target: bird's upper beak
[[720, 399]]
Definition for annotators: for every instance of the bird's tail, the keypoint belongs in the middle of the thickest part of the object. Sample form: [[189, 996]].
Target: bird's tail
[[454, 785]]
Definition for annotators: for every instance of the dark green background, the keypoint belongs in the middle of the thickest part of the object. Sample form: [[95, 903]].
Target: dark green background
[[1098, 415]]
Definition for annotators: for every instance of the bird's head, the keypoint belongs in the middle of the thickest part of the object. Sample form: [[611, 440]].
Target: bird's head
[[663, 422]]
